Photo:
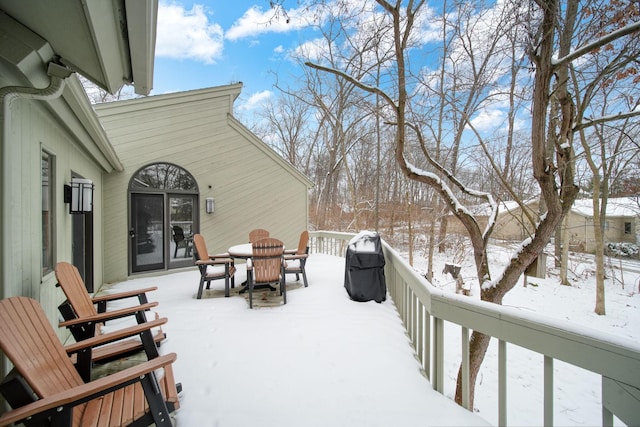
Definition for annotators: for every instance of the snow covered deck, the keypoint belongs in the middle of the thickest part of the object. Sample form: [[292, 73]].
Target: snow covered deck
[[319, 360], [326, 360]]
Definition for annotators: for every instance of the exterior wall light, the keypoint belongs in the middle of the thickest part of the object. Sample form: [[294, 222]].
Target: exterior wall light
[[210, 205], [79, 195]]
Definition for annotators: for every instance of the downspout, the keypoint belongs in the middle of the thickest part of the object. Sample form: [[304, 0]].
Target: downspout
[[8, 94]]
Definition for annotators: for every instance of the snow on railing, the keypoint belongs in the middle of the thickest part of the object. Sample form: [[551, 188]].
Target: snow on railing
[[424, 310]]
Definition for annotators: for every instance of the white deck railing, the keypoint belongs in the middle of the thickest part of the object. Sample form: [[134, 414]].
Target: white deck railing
[[424, 309]]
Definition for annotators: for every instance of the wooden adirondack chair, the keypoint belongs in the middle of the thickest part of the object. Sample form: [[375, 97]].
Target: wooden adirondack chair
[[212, 267], [257, 234], [295, 260], [45, 389], [265, 267], [85, 316]]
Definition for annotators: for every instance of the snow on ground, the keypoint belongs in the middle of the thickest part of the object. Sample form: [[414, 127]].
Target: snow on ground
[[323, 359], [319, 360]]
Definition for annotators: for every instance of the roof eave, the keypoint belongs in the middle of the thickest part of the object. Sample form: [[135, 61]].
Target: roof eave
[[142, 17]]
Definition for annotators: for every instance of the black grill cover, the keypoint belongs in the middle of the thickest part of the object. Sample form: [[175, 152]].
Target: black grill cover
[[364, 268]]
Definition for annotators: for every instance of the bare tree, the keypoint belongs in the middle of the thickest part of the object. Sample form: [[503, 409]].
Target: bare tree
[[551, 27], [287, 128], [603, 86], [98, 95]]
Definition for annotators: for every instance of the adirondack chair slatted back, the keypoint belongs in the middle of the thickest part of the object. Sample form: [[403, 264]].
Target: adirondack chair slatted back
[[73, 287], [267, 260], [29, 341], [201, 247], [131, 398], [258, 234], [303, 243]]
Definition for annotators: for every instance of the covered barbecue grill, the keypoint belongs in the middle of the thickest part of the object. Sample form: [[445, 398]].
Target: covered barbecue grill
[[364, 268]]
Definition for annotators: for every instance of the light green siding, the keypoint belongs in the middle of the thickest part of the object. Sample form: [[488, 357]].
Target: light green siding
[[33, 126], [252, 185]]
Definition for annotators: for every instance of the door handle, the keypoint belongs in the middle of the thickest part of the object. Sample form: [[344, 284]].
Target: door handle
[[132, 233]]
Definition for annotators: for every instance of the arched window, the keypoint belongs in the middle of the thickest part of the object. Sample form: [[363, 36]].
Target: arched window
[[163, 176]]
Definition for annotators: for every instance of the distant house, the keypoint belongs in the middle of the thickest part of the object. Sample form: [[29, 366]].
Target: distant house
[[179, 150], [622, 222], [511, 223]]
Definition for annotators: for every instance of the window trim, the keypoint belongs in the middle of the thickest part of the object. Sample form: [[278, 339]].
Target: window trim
[[48, 211]]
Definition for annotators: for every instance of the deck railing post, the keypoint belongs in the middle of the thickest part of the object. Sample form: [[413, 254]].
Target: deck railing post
[[420, 334], [548, 391], [429, 347], [465, 367], [438, 355], [502, 383]]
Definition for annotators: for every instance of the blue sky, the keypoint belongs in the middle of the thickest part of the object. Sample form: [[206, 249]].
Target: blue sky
[[211, 43], [206, 43]]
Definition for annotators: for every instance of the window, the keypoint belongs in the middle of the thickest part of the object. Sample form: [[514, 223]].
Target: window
[[627, 228], [164, 176], [47, 212]]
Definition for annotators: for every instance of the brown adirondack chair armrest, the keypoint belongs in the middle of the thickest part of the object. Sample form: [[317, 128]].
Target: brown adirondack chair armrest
[[122, 295], [88, 391], [109, 315], [215, 261], [114, 336], [295, 256], [223, 255]]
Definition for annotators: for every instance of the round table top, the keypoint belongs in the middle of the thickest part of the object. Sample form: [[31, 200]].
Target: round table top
[[244, 250]]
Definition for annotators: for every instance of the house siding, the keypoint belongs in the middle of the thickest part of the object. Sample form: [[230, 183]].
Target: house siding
[[582, 234], [34, 126], [512, 225], [252, 186]]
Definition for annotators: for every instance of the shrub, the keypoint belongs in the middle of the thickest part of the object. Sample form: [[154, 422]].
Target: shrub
[[622, 249]]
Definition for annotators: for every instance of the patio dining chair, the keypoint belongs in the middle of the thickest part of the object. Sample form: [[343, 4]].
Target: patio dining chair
[[44, 388], [296, 259], [257, 234], [87, 316], [212, 267], [181, 241], [265, 267]]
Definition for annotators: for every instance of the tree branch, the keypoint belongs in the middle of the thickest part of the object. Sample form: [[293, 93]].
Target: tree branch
[[629, 29], [358, 83], [605, 119]]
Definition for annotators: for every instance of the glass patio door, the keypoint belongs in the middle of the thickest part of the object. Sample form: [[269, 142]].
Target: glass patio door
[[164, 216], [146, 233], [182, 222]]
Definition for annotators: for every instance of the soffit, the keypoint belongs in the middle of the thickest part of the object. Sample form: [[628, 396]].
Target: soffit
[[111, 42]]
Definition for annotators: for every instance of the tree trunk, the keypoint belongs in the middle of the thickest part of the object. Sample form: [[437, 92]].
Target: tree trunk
[[597, 233], [564, 254], [559, 241], [442, 234], [430, 250], [478, 345]]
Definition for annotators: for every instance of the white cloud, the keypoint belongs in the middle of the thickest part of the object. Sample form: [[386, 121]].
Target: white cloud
[[256, 21], [488, 119], [187, 34], [256, 100]]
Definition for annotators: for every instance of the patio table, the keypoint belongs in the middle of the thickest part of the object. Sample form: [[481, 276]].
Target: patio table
[[243, 251]]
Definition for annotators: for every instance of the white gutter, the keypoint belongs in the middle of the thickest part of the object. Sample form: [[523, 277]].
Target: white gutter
[[7, 95]]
